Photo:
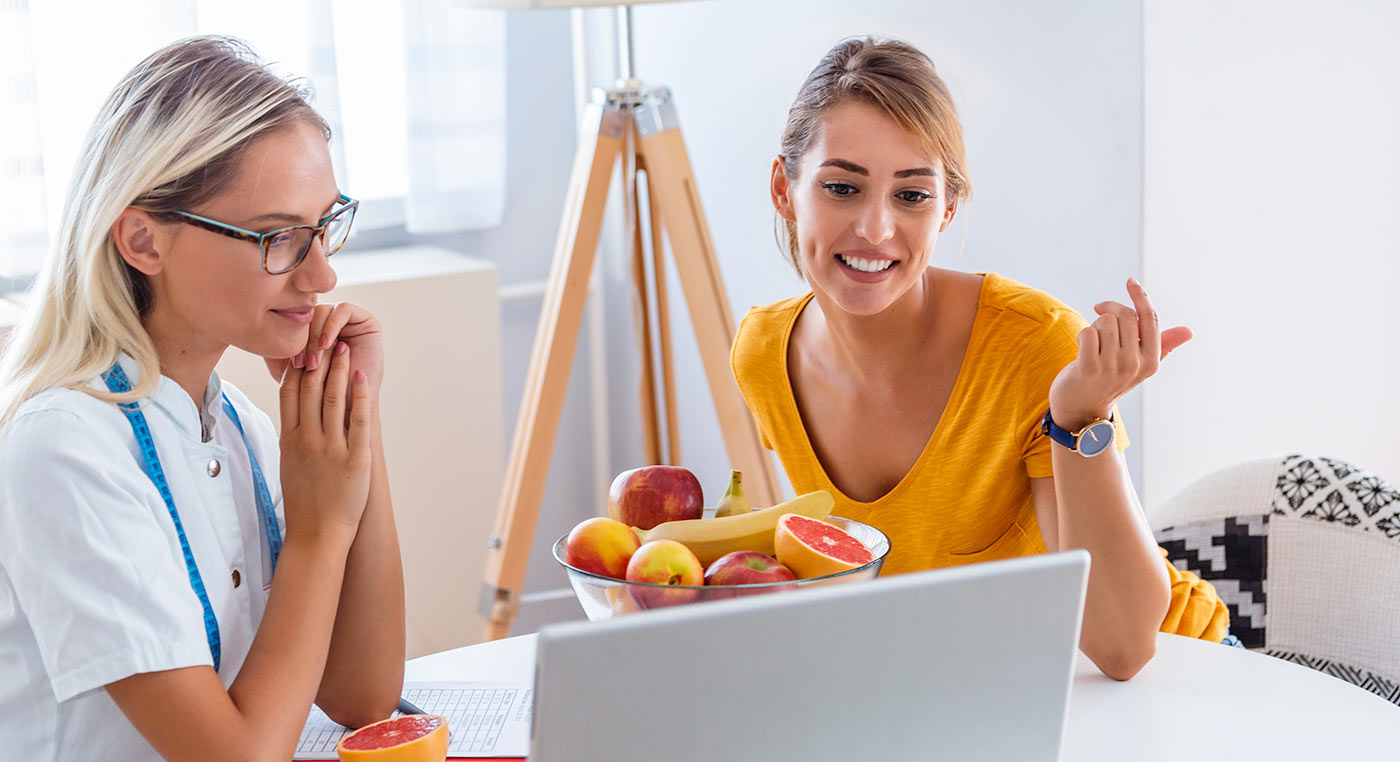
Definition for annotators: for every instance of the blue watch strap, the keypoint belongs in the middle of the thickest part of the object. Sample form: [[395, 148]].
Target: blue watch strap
[[1057, 434], [1068, 438]]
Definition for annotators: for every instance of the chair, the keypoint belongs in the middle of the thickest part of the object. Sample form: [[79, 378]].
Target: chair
[[1305, 552]]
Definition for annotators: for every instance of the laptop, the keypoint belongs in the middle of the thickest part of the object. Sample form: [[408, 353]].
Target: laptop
[[969, 663]]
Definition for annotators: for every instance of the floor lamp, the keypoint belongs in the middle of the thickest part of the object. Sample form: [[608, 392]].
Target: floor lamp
[[636, 125]]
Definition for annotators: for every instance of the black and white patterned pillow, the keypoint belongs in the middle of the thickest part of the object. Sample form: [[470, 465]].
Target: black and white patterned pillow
[[1323, 489], [1232, 552], [1380, 685]]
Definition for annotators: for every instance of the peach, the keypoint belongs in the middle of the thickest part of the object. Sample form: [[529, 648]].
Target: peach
[[601, 546], [665, 563]]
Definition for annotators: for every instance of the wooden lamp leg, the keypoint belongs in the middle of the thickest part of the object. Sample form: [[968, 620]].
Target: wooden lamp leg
[[675, 206], [663, 325], [641, 306], [600, 144], [672, 183]]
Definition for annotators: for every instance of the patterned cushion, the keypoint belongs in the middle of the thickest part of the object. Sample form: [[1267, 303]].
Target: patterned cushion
[[1378, 684], [1231, 554], [1323, 489], [1228, 544]]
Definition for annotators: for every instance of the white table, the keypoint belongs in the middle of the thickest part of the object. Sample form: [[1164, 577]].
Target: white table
[[1195, 701]]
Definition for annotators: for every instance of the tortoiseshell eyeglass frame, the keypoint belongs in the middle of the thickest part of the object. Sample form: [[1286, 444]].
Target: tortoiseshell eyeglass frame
[[261, 239]]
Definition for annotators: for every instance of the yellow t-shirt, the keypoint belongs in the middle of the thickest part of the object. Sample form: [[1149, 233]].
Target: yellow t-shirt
[[968, 497]]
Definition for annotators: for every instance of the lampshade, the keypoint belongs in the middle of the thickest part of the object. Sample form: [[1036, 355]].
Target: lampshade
[[536, 5]]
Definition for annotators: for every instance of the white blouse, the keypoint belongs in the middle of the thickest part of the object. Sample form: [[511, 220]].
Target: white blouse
[[93, 582]]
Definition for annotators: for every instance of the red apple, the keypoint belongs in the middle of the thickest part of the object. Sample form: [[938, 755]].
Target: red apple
[[667, 563], [651, 495], [601, 546], [748, 567]]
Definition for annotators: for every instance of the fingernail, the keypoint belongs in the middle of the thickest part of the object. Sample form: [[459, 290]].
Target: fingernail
[[312, 360], [325, 340], [359, 376], [341, 347], [297, 360]]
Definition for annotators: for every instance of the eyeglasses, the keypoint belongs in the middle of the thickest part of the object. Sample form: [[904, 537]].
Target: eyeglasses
[[284, 248]]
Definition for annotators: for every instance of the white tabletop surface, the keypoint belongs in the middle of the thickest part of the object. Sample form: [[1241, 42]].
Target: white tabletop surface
[[1195, 701]]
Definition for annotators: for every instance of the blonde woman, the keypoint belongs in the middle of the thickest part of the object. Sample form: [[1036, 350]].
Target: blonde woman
[[941, 406], [145, 503]]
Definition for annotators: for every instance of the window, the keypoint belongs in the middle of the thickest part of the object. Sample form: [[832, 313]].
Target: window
[[414, 91]]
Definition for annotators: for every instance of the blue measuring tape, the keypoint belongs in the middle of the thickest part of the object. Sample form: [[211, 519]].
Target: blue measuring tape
[[117, 382], [271, 532]]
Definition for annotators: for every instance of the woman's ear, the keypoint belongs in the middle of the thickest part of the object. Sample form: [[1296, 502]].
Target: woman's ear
[[140, 240], [781, 191], [948, 215]]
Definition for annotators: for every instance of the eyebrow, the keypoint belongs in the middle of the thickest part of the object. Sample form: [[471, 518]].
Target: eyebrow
[[292, 219], [858, 169]]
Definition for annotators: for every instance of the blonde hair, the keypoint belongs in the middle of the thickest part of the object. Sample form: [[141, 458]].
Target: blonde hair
[[168, 137], [893, 76]]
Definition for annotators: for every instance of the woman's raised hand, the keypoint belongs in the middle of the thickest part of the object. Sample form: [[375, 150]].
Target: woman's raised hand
[[353, 325], [347, 322], [1118, 351], [326, 417]]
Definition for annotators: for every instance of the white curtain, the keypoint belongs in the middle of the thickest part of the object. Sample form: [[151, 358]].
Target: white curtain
[[296, 38], [456, 116], [22, 231], [424, 144]]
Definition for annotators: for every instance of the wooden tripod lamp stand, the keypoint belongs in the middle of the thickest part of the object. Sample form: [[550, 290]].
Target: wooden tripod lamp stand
[[637, 126]]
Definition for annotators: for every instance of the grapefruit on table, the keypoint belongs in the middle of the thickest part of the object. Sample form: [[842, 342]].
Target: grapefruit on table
[[410, 738], [814, 548]]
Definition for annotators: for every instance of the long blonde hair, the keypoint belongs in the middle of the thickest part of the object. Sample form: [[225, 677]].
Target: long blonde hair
[[893, 76], [168, 137]]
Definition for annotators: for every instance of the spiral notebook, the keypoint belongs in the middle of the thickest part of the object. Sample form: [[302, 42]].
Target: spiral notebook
[[484, 720]]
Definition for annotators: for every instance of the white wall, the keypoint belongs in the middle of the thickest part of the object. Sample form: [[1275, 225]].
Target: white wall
[[1051, 100], [1270, 228]]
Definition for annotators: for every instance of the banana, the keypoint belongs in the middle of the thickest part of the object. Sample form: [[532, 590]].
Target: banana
[[709, 539], [733, 503]]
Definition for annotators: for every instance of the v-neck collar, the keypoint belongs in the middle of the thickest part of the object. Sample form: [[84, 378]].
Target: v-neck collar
[[954, 398]]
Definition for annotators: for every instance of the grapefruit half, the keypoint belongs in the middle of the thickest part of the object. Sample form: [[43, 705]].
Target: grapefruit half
[[410, 738], [814, 548]]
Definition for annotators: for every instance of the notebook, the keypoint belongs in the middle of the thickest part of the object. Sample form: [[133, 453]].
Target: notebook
[[969, 663], [486, 721]]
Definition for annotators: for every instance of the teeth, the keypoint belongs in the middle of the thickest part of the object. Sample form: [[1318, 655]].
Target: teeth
[[866, 265]]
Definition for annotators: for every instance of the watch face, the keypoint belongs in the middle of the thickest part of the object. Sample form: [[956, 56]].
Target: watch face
[[1096, 439]]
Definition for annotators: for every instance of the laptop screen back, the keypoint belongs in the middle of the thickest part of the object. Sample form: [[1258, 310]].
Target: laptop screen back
[[971, 663]]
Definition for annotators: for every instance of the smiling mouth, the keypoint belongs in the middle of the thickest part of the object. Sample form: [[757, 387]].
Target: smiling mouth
[[861, 264]]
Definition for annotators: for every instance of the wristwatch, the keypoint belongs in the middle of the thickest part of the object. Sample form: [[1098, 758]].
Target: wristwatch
[[1094, 439]]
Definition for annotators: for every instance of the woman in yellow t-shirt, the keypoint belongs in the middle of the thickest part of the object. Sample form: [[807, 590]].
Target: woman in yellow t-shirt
[[918, 396]]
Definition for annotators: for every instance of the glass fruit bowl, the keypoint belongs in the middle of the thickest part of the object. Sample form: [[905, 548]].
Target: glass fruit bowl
[[605, 597]]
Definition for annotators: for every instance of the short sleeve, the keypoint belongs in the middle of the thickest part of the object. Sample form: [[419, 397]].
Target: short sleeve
[[1046, 353], [90, 549], [743, 357]]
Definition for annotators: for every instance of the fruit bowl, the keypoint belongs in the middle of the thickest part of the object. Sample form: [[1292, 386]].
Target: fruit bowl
[[605, 597]]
